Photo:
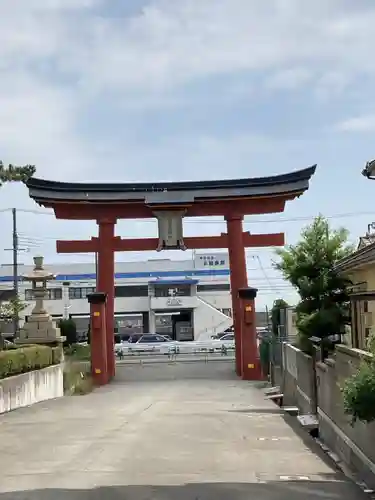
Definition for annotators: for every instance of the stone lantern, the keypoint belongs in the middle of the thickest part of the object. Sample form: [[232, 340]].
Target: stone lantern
[[40, 327]]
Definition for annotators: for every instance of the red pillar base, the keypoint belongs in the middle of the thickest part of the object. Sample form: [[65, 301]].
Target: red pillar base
[[250, 360], [98, 343]]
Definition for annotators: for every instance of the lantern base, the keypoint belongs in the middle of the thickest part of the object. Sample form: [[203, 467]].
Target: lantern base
[[40, 329]]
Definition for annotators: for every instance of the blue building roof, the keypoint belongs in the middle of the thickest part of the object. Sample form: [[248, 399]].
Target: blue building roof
[[150, 274], [174, 282]]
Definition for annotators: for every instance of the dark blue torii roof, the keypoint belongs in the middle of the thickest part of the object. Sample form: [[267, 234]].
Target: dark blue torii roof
[[146, 187], [159, 193]]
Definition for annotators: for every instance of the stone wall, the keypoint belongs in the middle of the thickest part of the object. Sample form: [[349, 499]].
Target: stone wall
[[30, 388], [319, 391], [353, 444], [298, 381]]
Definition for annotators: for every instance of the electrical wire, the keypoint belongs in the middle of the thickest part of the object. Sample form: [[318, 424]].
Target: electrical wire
[[254, 219], [272, 285]]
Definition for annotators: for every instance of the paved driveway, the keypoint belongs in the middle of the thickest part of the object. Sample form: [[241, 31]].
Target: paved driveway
[[184, 432]]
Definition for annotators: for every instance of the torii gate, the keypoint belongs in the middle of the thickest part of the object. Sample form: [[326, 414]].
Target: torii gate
[[170, 202]]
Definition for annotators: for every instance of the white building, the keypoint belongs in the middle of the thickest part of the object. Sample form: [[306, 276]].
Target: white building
[[187, 299]]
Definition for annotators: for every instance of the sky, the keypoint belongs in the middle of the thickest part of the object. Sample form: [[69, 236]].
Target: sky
[[152, 90]]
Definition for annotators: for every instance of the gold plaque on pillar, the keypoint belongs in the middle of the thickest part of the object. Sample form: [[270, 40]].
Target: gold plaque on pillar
[[170, 229]]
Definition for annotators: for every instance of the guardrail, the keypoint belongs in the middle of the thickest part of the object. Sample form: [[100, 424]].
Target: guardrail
[[175, 353]]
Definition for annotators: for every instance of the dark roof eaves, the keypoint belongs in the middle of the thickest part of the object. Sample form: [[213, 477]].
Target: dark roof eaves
[[289, 178], [356, 258]]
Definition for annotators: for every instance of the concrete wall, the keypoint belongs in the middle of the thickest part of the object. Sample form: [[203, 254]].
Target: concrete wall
[[353, 444], [30, 388], [298, 384]]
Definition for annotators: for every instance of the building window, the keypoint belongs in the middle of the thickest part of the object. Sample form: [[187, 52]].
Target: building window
[[80, 293], [51, 294], [365, 306], [131, 291], [172, 290], [217, 287]]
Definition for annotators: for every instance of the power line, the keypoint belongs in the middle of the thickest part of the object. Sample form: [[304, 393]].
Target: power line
[[254, 219]]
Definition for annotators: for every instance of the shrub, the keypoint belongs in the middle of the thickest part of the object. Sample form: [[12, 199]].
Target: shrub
[[68, 329], [25, 359], [9, 346], [57, 355], [77, 380], [359, 393], [359, 389]]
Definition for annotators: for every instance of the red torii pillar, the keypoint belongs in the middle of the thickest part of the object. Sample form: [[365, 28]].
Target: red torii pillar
[[106, 283], [238, 278]]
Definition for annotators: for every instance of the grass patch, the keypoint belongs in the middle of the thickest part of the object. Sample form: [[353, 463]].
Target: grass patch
[[77, 379], [78, 352]]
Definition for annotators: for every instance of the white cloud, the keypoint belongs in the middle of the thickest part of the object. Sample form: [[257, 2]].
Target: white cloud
[[172, 43], [365, 123], [290, 79], [58, 58]]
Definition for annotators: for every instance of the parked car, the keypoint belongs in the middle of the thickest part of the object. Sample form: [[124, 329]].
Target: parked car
[[212, 345], [224, 342], [122, 337], [147, 342], [218, 336]]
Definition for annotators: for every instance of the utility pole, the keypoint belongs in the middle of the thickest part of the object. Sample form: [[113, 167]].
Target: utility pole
[[16, 319], [15, 249]]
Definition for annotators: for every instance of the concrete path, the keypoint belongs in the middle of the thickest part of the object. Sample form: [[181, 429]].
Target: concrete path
[[163, 432]]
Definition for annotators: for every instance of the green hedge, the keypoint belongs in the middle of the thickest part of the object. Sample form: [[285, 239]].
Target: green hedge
[[78, 352], [26, 359], [57, 355]]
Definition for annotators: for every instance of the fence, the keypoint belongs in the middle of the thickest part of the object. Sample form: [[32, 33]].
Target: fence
[[315, 389], [298, 379], [354, 444], [181, 352], [276, 357]]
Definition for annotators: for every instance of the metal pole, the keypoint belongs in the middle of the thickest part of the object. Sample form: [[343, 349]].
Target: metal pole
[[16, 319], [96, 271], [271, 348], [66, 299]]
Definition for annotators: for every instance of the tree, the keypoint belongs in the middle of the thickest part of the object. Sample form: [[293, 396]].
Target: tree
[[310, 267], [10, 311], [12, 173]]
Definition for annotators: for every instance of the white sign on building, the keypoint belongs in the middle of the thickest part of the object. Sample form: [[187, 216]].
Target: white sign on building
[[212, 260], [173, 302]]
